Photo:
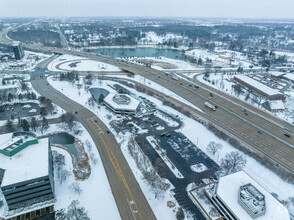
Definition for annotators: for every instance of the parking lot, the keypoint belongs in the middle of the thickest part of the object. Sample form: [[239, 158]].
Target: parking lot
[[179, 149], [16, 110]]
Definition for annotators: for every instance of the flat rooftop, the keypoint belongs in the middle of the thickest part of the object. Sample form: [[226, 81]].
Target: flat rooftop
[[29, 163], [228, 190], [269, 91]]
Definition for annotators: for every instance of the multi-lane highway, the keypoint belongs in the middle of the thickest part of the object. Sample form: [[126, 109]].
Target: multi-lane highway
[[257, 130], [272, 143]]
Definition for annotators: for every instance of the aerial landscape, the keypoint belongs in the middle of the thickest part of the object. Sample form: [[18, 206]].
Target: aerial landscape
[[148, 110]]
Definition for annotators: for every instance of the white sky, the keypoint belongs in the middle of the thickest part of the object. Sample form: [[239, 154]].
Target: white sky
[[161, 8]]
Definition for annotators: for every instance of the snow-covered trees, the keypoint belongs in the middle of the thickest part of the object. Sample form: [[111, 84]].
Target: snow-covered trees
[[75, 212], [92, 156], [76, 188], [49, 106], [68, 118], [158, 185], [213, 147], [180, 214], [34, 124], [233, 162], [59, 162], [9, 126]]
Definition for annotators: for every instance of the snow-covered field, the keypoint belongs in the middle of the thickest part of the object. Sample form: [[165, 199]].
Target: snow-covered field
[[81, 64], [219, 57], [195, 131], [164, 63]]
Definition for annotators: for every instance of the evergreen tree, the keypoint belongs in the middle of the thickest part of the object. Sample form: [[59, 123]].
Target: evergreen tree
[[10, 97], [9, 126], [25, 125]]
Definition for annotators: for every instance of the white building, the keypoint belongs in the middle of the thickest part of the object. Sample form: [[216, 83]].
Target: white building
[[121, 103], [274, 106], [26, 176], [227, 197]]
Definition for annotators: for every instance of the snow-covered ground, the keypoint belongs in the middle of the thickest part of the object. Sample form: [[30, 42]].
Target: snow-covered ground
[[221, 57], [96, 196], [81, 64], [193, 130], [164, 63], [152, 38], [28, 62]]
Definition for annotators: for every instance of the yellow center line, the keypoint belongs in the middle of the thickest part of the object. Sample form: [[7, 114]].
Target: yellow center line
[[116, 165]]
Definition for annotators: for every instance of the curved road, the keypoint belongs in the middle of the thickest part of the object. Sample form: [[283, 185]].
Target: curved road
[[271, 143], [129, 198]]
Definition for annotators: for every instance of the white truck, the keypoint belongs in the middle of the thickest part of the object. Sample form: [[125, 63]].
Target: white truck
[[207, 104]]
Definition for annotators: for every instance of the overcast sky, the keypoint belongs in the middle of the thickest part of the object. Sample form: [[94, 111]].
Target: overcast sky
[[160, 8]]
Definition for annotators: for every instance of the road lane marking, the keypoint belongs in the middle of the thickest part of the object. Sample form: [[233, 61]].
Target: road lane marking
[[116, 165]]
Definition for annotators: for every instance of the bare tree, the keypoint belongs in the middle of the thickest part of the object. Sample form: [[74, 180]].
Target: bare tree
[[49, 106], [93, 158], [213, 212], [63, 174], [68, 118], [213, 147], [233, 162], [34, 124], [180, 214], [89, 79], [75, 212], [76, 188]]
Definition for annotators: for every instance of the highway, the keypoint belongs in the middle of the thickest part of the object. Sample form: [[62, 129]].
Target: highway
[[271, 143], [129, 198]]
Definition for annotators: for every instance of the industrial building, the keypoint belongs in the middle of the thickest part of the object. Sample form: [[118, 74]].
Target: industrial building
[[18, 50], [259, 87], [26, 176]]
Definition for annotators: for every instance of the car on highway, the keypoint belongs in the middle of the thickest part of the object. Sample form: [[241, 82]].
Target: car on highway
[[196, 86], [246, 113], [259, 131], [211, 94], [76, 112], [287, 135], [107, 131]]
